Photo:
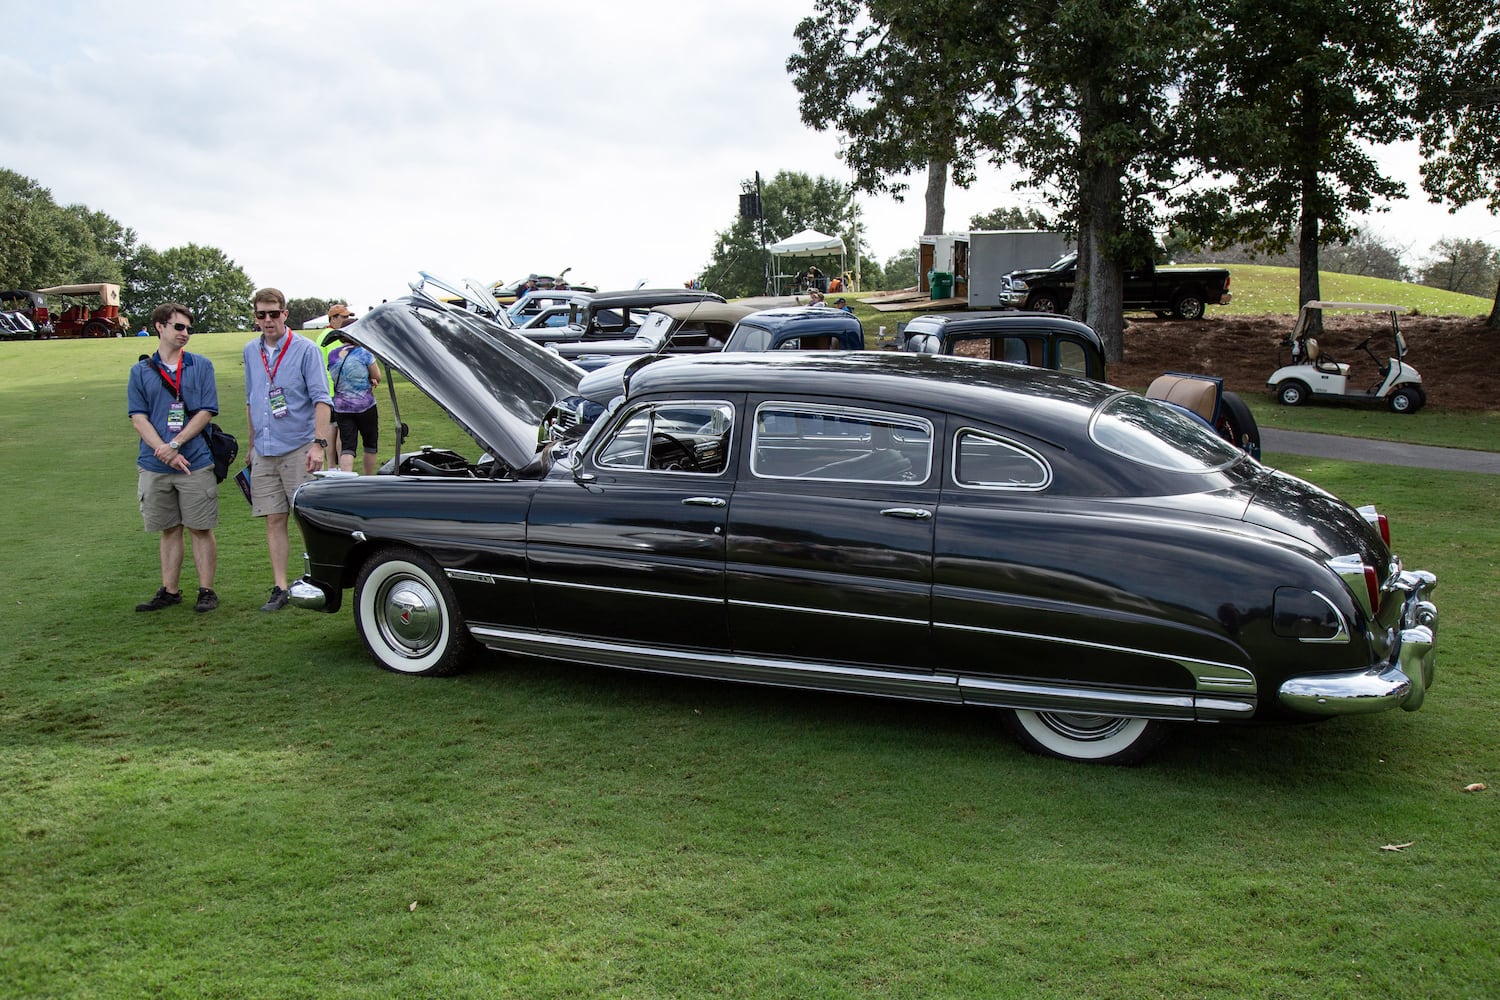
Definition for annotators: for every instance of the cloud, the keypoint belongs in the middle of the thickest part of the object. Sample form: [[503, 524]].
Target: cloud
[[336, 148]]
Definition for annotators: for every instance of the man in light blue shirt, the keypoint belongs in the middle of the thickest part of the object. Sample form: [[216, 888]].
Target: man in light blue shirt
[[288, 407]]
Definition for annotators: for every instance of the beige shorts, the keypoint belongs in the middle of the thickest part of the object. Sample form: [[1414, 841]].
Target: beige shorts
[[274, 478], [172, 498]]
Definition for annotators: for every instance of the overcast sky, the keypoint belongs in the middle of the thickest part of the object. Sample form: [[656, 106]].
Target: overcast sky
[[335, 148]]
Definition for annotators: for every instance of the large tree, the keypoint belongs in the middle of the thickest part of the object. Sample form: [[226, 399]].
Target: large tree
[[1468, 266], [42, 243], [791, 202], [214, 287], [896, 77], [1286, 100], [1459, 102]]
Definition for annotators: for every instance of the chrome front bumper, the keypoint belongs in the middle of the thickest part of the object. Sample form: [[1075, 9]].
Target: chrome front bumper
[[1400, 682]]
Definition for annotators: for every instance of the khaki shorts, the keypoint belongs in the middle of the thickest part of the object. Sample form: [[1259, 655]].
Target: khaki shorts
[[274, 478], [172, 498]]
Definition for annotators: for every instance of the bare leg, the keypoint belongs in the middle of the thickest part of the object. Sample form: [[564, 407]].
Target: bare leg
[[279, 545], [205, 556], [171, 558], [370, 458]]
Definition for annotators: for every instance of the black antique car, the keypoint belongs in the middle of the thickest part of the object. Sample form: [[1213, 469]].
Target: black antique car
[[1091, 562]]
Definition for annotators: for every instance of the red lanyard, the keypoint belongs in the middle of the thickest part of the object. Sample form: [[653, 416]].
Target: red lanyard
[[176, 383], [271, 371]]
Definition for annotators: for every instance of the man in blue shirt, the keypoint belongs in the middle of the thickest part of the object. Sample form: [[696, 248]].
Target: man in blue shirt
[[288, 407], [172, 397]]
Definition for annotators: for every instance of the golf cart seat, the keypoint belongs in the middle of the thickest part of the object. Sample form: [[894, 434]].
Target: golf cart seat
[[1323, 362]]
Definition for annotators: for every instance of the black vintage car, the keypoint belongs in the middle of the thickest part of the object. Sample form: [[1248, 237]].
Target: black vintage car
[[1090, 562]]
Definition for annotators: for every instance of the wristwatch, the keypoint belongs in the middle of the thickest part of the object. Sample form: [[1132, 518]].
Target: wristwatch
[[174, 445], [321, 442]]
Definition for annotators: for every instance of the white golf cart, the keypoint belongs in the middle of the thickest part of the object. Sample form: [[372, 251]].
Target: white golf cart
[[1314, 376]]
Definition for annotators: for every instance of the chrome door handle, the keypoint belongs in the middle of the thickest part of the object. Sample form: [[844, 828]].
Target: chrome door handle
[[705, 502], [910, 513]]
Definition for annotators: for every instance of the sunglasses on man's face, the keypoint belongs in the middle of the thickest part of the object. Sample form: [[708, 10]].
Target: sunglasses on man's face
[[179, 327], [267, 313]]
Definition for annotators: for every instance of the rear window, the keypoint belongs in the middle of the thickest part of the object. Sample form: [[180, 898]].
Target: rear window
[[1161, 436]]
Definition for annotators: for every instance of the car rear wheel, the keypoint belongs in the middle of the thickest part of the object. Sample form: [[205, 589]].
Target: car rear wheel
[[1089, 739], [1292, 393], [1188, 306], [406, 613], [96, 328]]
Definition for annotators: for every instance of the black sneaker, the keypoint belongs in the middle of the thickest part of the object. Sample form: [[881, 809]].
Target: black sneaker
[[207, 599], [278, 599], [164, 599]]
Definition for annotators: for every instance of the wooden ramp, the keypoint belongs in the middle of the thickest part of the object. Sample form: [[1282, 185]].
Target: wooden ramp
[[917, 303]]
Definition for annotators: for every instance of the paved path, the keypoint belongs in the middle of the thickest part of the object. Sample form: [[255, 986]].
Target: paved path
[[1385, 452]]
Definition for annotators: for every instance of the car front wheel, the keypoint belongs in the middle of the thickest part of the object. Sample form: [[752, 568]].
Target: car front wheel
[[1043, 302], [1089, 739], [406, 614]]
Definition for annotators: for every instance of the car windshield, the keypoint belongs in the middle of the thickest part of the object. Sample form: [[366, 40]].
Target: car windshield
[[1161, 436]]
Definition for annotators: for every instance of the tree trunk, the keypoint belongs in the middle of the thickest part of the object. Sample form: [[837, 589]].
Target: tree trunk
[[1308, 288], [1099, 291], [1494, 323], [937, 190]]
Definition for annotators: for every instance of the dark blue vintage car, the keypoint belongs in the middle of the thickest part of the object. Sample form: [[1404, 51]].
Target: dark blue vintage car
[[1093, 564]]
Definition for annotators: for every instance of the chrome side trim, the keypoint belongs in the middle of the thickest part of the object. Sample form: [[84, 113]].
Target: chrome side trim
[[723, 666], [473, 577], [941, 687], [1208, 675], [568, 585], [803, 609]]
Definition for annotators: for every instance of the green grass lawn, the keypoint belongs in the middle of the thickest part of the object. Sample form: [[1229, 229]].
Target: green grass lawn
[[241, 805]]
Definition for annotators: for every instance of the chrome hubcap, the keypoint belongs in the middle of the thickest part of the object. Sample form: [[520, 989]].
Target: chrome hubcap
[[410, 617]]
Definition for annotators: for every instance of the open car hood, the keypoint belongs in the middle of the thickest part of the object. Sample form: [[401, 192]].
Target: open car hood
[[495, 383]]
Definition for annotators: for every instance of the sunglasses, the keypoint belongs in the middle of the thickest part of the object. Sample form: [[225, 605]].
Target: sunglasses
[[179, 327], [267, 313]]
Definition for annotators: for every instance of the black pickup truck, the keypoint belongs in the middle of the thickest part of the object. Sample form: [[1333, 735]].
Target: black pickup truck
[[1177, 291]]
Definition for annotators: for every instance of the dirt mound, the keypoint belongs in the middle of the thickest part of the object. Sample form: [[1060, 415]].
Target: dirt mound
[[1458, 356]]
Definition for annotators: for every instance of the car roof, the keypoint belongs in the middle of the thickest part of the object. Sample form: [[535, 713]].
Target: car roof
[[711, 312], [645, 297], [981, 390], [824, 316]]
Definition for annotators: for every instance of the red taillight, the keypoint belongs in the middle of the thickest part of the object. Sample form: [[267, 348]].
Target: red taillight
[[1369, 513], [1372, 585]]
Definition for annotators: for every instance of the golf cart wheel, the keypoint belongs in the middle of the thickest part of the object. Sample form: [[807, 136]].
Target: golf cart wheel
[[1404, 400], [1292, 393]]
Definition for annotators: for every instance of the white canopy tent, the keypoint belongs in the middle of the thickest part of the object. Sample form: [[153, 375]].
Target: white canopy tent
[[808, 243]]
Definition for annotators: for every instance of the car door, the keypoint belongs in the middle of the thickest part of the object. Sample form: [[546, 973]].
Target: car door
[[830, 537], [631, 548]]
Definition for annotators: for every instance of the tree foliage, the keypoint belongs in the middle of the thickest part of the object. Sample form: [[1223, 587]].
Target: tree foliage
[[791, 202], [1458, 99], [44, 244], [1010, 218], [1284, 101], [1468, 266], [214, 287], [894, 76]]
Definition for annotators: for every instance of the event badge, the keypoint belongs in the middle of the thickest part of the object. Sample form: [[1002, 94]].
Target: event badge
[[176, 416], [278, 402]]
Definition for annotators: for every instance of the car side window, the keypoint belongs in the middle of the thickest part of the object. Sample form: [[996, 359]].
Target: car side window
[[834, 444], [689, 437], [983, 461], [1071, 357]]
